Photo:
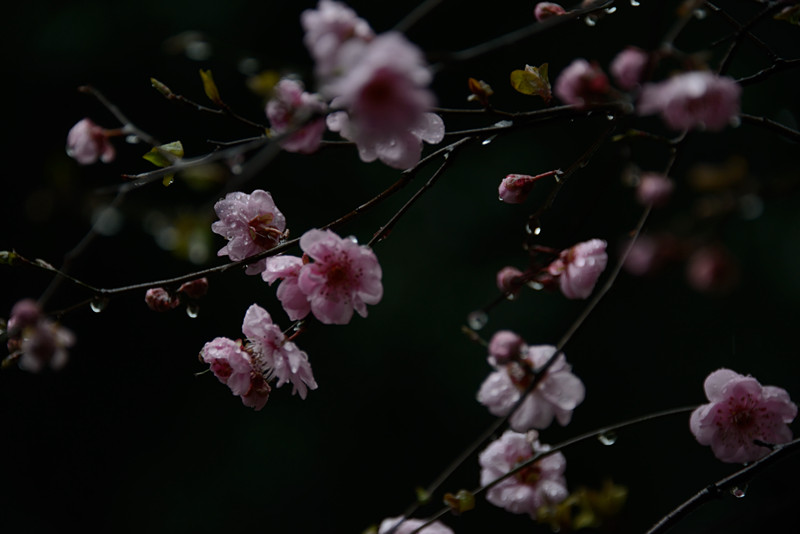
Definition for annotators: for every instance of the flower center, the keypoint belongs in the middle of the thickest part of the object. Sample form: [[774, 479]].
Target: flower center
[[528, 475], [262, 233]]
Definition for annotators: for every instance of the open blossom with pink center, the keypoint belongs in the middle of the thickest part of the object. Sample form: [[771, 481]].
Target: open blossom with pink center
[[88, 142], [343, 277], [579, 267], [277, 357], [557, 395], [384, 93], [327, 28], [581, 83], [251, 224], [545, 10], [627, 68], [410, 525], [654, 189], [234, 366], [287, 269], [742, 411], [540, 484], [291, 107], [697, 99]]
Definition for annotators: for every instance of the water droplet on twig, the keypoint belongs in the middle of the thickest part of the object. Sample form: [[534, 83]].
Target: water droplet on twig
[[590, 21], [635, 3], [98, 304], [477, 319], [607, 438], [193, 310], [738, 492]]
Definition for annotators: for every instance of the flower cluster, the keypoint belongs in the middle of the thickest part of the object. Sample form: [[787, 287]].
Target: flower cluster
[[291, 109], [251, 224], [540, 484], [342, 277], [557, 394], [379, 83], [35, 340], [246, 369], [743, 417]]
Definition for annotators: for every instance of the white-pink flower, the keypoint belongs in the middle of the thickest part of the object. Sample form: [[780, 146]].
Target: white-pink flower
[[383, 92], [742, 411], [540, 484], [581, 83], [287, 269], [556, 396], [87, 142], [233, 366], [251, 224], [343, 277], [276, 356], [628, 67], [697, 99], [579, 267], [410, 525], [292, 108]]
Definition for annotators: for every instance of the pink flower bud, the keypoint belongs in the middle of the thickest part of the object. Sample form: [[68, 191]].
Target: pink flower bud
[[505, 280], [88, 142], [581, 83], [545, 10], [505, 346], [25, 313], [579, 267], [194, 289], [158, 299], [515, 188], [654, 189]]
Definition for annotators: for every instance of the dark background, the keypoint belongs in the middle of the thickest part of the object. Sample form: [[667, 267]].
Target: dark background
[[127, 439]]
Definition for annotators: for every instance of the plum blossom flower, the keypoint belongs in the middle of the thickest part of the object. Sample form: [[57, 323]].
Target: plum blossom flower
[[557, 395], [741, 411], [515, 188], [697, 99], [343, 277], [158, 299], [540, 484], [35, 340], [233, 366], [287, 269], [410, 525], [87, 142], [579, 267], [251, 224], [383, 90], [506, 280], [581, 83], [628, 67], [545, 10], [276, 356], [291, 107], [654, 188], [504, 347], [327, 29]]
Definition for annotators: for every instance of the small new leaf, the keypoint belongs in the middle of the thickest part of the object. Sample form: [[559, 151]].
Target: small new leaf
[[210, 87], [463, 501], [165, 155], [532, 81], [790, 14], [8, 257], [481, 91], [161, 88]]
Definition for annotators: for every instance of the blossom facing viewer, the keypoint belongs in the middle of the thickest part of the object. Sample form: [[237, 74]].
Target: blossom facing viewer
[[742, 411], [251, 224], [697, 99], [540, 484], [579, 267], [291, 107], [556, 396], [87, 142], [234, 367]]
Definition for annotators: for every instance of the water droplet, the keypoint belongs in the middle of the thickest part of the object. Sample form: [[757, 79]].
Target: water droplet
[[699, 14], [98, 304], [610, 116], [590, 21], [635, 3], [608, 438], [736, 122], [193, 310], [610, 10], [353, 238], [559, 173], [536, 286], [488, 140], [132, 139], [738, 492], [511, 296], [477, 319], [504, 124]]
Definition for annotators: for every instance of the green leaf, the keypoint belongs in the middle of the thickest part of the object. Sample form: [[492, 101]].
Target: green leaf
[[165, 155], [210, 87], [532, 81]]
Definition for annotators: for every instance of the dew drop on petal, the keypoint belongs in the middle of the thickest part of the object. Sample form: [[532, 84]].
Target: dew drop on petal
[[607, 438], [98, 304], [193, 310], [477, 319]]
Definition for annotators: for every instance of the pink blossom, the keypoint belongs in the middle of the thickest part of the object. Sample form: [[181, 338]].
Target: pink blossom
[[233, 366], [644, 257], [545, 10], [327, 28], [383, 90], [579, 267], [581, 83], [557, 395], [410, 525], [654, 189], [287, 269], [24, 314], [343, 277], [194, 289], [251, 224], [290, 107], [276, 356], [696, 99], [507, 280], [741, 411], [35, 340], [515, 188], [540, 484], [88, 142], [158, 299], [504, 347], [712, 269], [628, 66]]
